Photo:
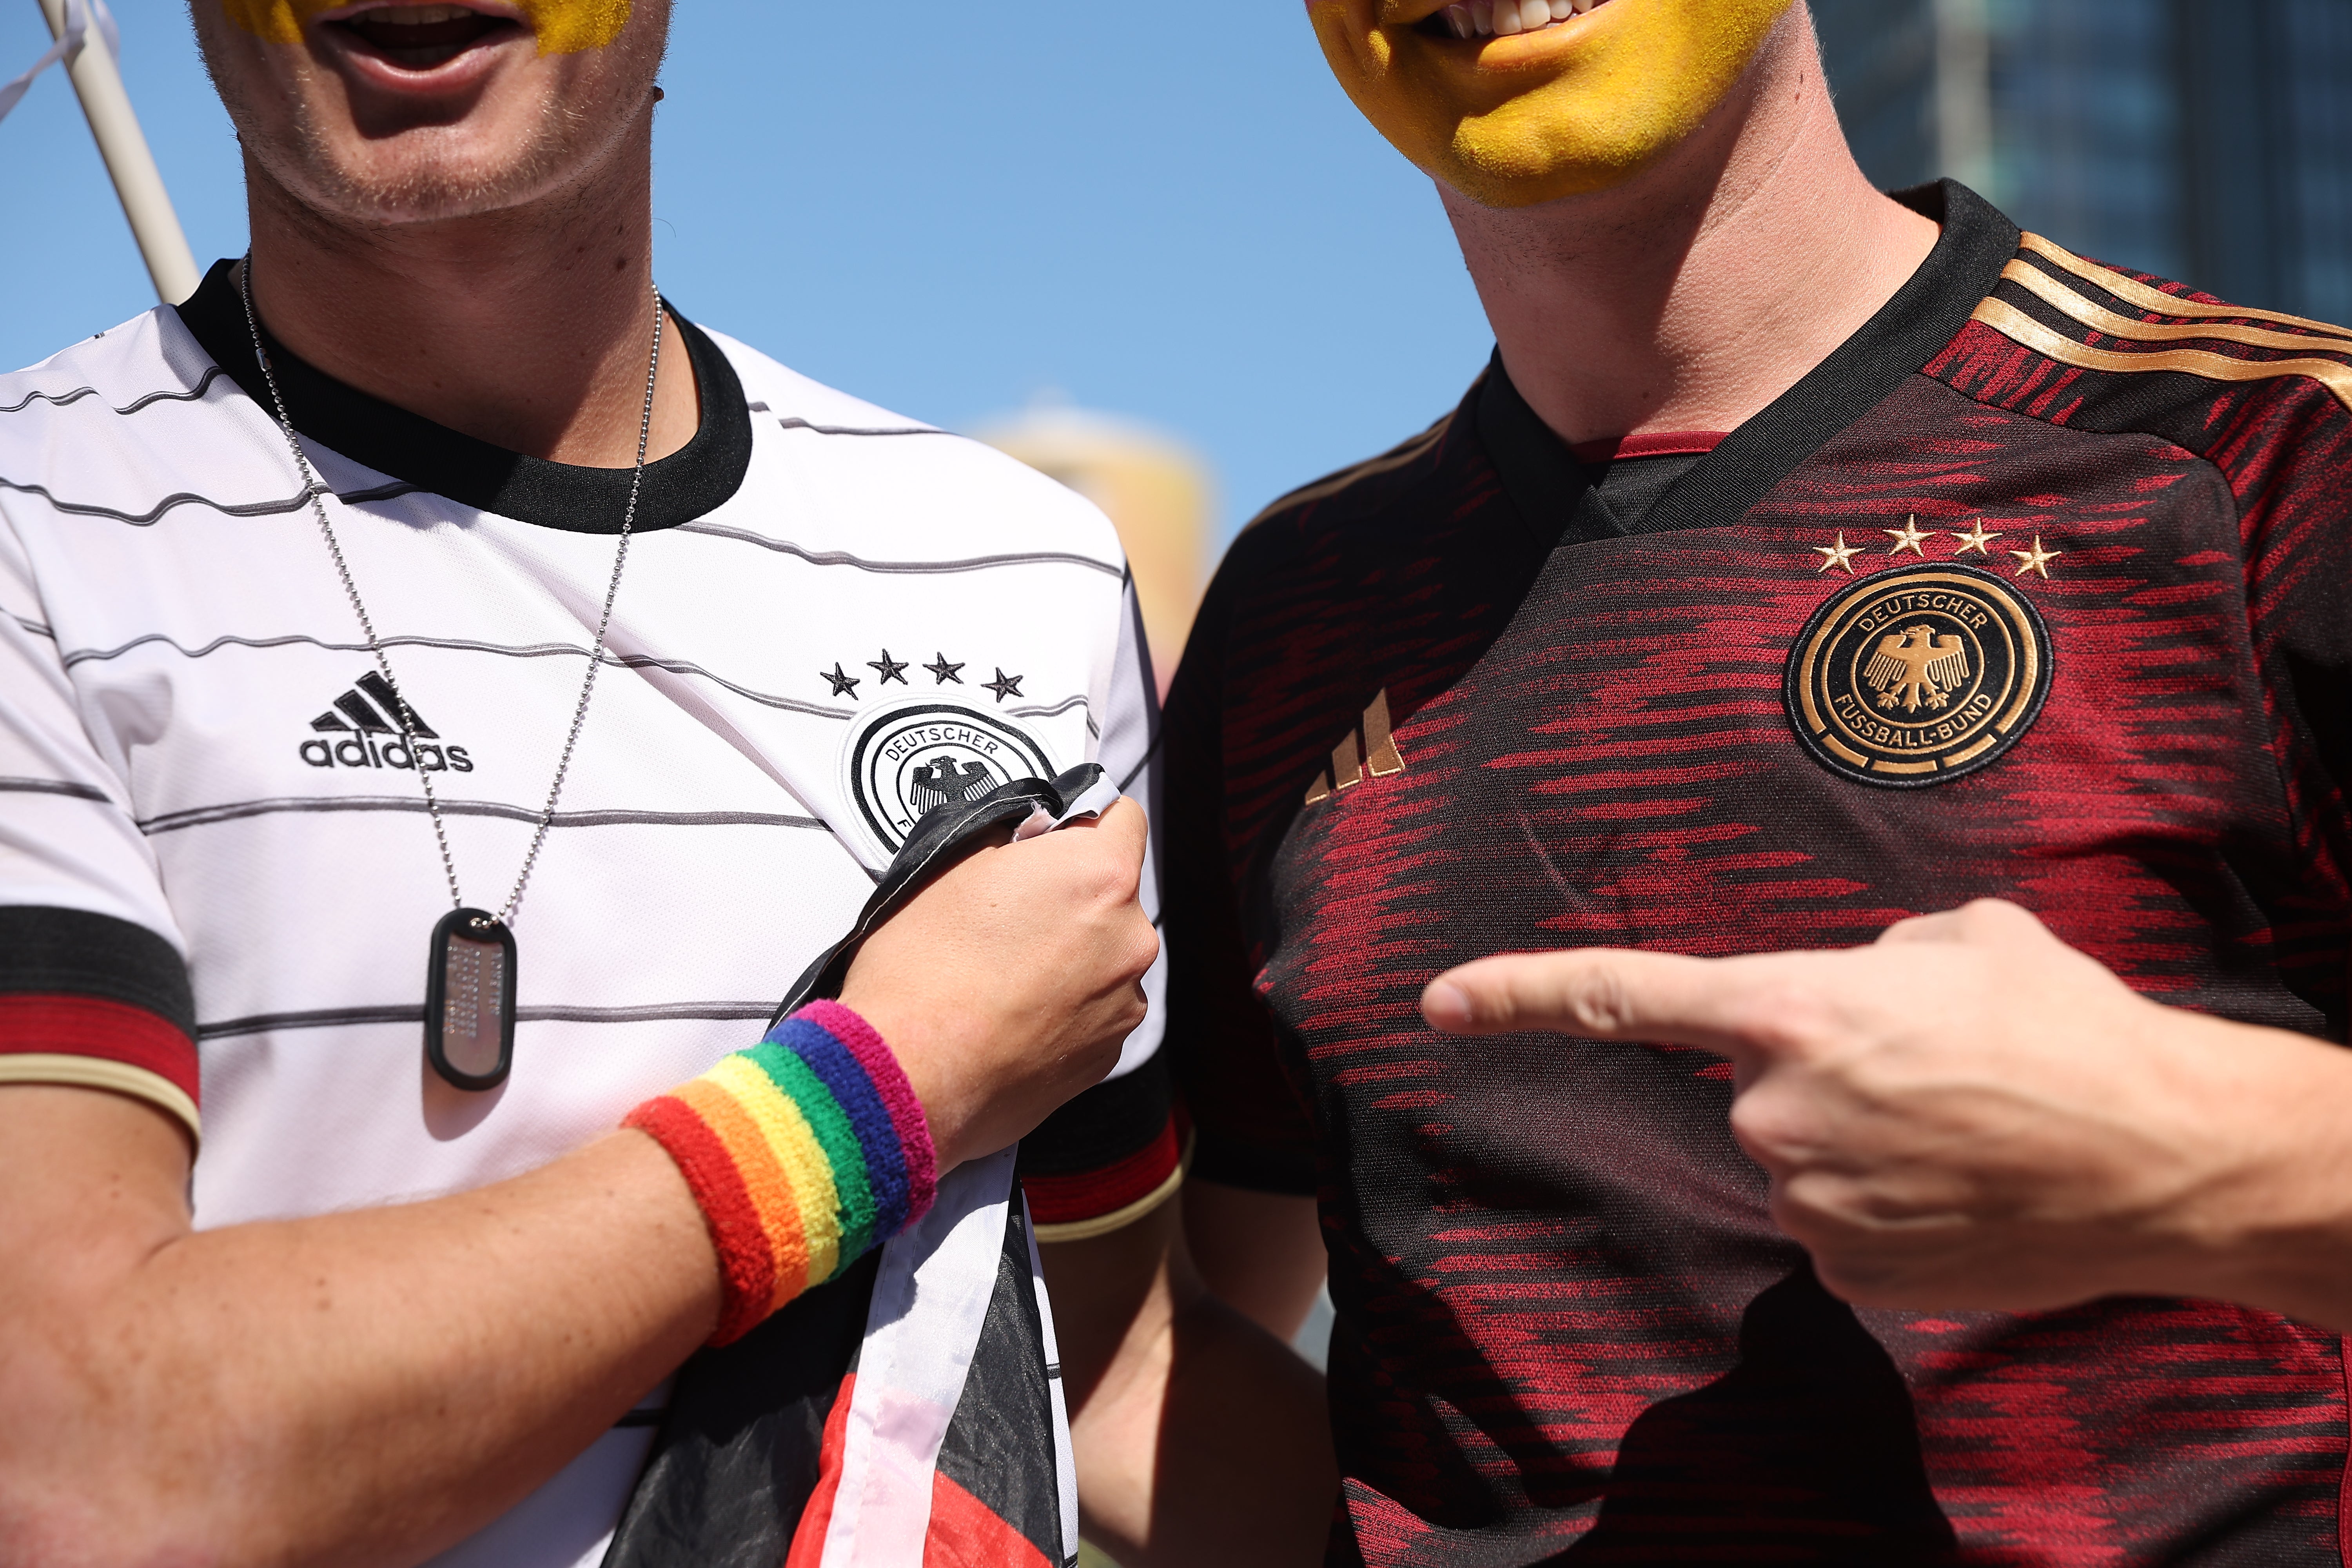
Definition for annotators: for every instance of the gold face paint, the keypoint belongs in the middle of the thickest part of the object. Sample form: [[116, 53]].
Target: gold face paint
[[1580, 106], [563, 27]]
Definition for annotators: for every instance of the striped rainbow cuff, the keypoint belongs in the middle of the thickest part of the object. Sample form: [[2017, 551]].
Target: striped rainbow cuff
[[804, 1151]]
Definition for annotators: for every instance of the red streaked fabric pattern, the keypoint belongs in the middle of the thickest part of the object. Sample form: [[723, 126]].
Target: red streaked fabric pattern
[[804, 1153], [1568, 1328]]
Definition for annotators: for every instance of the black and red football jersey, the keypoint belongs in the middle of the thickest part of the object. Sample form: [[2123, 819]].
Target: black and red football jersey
[[2036, 589]]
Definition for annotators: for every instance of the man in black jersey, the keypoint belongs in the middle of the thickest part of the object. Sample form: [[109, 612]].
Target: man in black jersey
[[1806, 564]]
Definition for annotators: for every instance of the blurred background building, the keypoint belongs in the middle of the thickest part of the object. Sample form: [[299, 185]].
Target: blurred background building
[[1154, 487], [2206, 139]]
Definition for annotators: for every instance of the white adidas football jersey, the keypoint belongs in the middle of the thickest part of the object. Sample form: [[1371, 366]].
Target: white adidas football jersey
[[832, 619]]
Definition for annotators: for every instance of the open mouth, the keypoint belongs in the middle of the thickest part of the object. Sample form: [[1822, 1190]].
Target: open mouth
[[1502, 19], [419, 38]]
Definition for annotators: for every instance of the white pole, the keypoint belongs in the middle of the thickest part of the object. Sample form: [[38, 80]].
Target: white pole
[[119, 142]]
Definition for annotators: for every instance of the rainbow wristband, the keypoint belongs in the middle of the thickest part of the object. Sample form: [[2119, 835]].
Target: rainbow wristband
[[804, 1151]]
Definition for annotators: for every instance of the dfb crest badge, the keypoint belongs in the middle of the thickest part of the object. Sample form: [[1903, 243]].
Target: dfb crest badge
[[904, 759], [1915, 677]]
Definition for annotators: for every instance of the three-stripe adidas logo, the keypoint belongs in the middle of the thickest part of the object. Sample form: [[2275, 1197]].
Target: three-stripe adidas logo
[[2323, 352], [1367, 751], [361, 721]]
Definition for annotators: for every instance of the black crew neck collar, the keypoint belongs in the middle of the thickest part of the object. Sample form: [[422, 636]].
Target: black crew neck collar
[[690, 482], [1554, 494]]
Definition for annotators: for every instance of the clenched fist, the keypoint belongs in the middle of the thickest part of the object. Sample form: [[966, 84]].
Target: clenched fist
[[1007, 985], [2033, 1135]]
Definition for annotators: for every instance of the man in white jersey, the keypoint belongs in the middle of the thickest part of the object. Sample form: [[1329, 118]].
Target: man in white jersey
[[359, 1309]]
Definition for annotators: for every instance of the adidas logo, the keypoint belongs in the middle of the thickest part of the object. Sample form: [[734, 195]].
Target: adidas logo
[[1367, 751], [371, 740]]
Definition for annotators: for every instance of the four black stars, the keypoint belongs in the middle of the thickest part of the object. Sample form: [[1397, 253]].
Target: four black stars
[[890, 669]]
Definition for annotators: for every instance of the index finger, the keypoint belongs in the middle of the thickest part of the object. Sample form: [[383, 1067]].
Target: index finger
[[1732, 1006]]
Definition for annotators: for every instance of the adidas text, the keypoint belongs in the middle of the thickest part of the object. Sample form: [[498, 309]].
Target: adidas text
[[361, 752]]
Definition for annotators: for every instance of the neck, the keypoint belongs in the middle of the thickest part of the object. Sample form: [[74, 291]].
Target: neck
[[1691, 296], [529, 328]]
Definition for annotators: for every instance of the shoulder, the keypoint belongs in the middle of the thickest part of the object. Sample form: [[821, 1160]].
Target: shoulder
[[1351, 503], [1343, 588], [2085, 345], [105, 389], [890, 458], [1332, 549]]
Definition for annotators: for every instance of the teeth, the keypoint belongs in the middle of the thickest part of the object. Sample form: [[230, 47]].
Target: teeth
[[1506, 18], [418, 16]]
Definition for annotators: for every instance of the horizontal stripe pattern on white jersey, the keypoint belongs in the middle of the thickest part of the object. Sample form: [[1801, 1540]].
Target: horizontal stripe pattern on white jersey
[[185, 744]]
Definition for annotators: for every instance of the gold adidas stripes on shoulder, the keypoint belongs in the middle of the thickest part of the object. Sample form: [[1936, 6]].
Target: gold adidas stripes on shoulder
[[2133, 291], [2020, 328], [2098, 318], [1394, 458]]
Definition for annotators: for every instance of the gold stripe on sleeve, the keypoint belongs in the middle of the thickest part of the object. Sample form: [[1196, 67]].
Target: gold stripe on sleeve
[[2017, 327], [2133, 291], [2099, 318], [97, 1072], [1395, 458]]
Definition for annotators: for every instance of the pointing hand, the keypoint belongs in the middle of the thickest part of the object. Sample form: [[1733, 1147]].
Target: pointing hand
[[1969, 1113]]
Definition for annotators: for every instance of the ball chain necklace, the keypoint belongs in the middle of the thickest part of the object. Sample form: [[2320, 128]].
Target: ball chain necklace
[[469, 976]]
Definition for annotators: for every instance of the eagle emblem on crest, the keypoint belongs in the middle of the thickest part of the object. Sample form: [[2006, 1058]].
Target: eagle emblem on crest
[[943, 779], [1915, 666]]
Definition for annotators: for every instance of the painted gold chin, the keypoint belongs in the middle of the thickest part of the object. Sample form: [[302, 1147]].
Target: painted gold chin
[[1515, 121], [561, 27]]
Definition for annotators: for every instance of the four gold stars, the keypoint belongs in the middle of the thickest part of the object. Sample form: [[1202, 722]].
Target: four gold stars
[[1913, 538], [2036, 560], [1975, 539], [1840, 555], [1908, 537]]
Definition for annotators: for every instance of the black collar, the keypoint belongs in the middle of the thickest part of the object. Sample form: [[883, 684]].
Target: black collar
[[691, 481], [1552, 492]]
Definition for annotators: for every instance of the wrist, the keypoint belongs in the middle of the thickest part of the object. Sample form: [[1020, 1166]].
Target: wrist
[[2268, 1222], [803, 1152], [925, 1044]]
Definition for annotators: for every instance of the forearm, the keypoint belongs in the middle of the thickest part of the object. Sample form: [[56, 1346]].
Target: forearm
[[360, 1388], [2266, 1220], [1201, 1438]]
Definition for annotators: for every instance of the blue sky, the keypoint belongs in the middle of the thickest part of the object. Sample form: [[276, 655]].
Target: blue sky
[[1179, 220]]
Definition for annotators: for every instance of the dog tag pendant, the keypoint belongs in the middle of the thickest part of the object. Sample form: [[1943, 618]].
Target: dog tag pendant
[[469, 1000]]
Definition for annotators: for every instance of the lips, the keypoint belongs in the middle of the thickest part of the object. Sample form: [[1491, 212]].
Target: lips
[[423, 37]]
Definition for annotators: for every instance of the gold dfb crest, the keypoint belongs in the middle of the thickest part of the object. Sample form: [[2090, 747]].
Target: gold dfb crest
[[1914, 677]]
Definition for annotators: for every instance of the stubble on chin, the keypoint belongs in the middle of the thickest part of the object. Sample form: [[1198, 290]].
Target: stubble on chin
[[302, 144]]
